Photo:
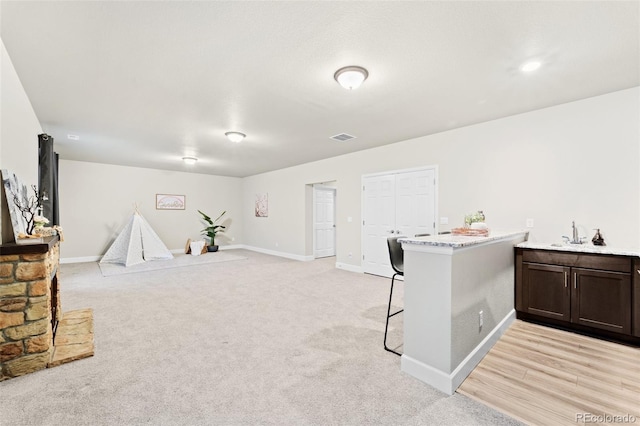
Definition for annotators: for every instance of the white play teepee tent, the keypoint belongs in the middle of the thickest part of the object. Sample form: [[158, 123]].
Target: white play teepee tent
[[136, 243]]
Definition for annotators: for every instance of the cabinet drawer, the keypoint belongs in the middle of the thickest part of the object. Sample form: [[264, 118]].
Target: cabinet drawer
[[580, 260]]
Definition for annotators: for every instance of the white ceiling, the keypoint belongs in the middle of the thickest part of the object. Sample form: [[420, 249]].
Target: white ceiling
[[146, 83]]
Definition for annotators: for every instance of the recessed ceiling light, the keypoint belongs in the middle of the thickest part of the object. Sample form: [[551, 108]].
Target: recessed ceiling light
[[73, 137], [530, 66], [235, 136], [351, 77], [189, 160]]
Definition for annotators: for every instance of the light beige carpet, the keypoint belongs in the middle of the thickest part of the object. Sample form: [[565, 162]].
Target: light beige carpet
[[263, 341], [179, 260]]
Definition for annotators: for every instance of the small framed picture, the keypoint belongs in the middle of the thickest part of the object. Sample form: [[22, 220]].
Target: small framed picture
[[262, 205], [170, 202]]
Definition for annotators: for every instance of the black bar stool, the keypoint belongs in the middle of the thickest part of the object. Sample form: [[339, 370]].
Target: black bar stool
[[396, 256]]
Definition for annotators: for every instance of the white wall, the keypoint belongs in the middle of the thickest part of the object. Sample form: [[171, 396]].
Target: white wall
[[576, 161], [19, 130], [96, 201]]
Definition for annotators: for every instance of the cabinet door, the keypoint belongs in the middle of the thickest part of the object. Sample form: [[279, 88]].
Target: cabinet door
[[601, 299], [546, 290]]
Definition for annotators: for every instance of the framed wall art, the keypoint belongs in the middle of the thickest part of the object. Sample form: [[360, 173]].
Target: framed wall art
[[13, 186], [170, 202], [262, 205]]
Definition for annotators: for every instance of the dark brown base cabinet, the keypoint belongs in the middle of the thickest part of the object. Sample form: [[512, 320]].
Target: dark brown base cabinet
[[591, 293]]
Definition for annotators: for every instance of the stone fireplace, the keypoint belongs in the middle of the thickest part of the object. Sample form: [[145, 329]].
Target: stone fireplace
[[30, 316]]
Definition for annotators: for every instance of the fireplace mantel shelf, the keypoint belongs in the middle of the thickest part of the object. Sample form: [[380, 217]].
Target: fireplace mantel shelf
[[14, 248]]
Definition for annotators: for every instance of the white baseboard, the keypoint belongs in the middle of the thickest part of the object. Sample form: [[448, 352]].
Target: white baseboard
[[229, 247], [97, 258], [426, 373], [84, 259], [278, 253], [473, 359], [449, 382], [350, 268]]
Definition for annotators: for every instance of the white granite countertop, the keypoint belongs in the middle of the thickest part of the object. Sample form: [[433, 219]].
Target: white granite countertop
[[455, 241], [581, 248]]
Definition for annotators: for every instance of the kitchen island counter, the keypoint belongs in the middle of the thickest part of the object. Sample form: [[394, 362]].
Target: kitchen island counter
[[458, 300]]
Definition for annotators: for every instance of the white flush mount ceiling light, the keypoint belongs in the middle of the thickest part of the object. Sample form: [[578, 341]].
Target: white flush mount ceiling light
[[530, 66], [235, 136], [189, 160], [351, 77]]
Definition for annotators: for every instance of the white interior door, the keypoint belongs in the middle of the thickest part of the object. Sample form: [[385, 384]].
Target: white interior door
[[324, 222], [400, 203], [379, 219], [415, 203]]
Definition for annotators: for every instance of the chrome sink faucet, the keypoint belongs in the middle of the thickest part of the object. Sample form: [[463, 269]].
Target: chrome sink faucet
[[576, 238]]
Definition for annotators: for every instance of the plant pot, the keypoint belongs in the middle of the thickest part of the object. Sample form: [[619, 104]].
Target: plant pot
[[212, 248]]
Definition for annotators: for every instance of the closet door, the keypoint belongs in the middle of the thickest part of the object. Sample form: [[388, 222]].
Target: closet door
[[415, 203], [379, 222], [401, 203]]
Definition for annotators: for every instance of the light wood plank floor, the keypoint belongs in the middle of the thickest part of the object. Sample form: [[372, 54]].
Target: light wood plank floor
[[543, 376]]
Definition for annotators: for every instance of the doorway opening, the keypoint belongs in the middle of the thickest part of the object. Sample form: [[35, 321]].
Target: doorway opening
[[324, 221], [321, 220]]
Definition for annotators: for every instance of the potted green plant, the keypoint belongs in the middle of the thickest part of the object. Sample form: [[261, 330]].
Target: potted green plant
[[211, 230]]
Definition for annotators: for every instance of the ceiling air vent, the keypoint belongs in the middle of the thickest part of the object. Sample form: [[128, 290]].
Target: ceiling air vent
[[342, 137]]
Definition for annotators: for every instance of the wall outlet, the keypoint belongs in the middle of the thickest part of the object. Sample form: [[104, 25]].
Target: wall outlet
[[444, 221], [529, 223], [480, 319], [349, 219], [276, 244], [233, 238], [350, 254]]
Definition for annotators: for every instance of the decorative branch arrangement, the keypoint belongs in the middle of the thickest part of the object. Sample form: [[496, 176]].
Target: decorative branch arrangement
[[31, 209]]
